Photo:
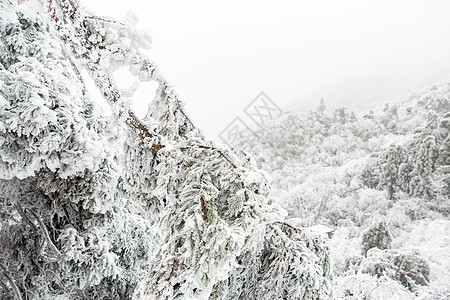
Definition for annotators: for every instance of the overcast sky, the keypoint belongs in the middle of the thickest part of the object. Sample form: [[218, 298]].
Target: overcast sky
[[220, 55]]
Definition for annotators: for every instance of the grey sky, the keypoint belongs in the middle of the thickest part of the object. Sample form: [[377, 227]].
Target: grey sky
[[220, 55]]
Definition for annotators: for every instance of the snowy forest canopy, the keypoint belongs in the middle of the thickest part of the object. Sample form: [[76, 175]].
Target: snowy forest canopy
[[114, 207], [380, 180]]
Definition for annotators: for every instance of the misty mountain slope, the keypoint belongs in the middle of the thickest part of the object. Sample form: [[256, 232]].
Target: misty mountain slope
[[350, 172]]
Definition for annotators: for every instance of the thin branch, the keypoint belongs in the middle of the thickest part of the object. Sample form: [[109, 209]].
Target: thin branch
[[77, 72], [220, 152], [11, 281], [41, 248], [208, 207], [104, 20], [227, 158], [288, 225], [24, 216], [46, 234], [4, 286]]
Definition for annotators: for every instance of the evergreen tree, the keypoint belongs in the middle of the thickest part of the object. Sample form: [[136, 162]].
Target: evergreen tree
[[390, 117], [376, 236], [390, 167], [424, 157], [321, 108], [444, 134], [97, 207]]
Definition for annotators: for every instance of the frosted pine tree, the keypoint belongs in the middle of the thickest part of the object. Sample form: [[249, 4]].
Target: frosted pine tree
[[97, 207]]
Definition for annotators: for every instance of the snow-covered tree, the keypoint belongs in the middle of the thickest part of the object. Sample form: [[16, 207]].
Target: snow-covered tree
[[390, 169], [406, 267], [321, 108], [390, 117], [444, 150], [376, 236], [96, 207], [65, 223], [424, 158]]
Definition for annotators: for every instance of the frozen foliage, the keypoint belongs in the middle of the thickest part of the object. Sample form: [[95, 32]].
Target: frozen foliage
[[377, 236], [364, 286], [65, 223], [349, 172], [407, 267], [96, 207], [275, 272]]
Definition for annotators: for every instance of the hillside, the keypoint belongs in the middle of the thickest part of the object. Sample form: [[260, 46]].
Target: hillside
[[355, 174]]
